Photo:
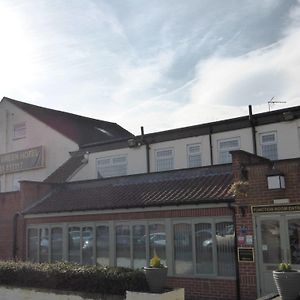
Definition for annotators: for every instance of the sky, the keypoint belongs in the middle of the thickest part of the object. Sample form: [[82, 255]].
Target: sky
[[160, 64]]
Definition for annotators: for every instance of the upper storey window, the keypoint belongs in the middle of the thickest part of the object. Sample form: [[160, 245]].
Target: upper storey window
[[111, 166], [224, 148], [194, 155], [19, 131], [268, 142], [164, 159]]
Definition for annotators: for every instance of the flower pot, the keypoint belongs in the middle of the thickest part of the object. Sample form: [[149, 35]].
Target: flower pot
[[156, 278], [288, 284]]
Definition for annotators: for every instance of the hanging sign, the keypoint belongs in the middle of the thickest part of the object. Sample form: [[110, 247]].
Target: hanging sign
[[22, 160]]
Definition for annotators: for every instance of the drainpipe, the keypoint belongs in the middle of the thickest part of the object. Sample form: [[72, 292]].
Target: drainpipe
[[147, 149], [211, 147], [237, 270], [252, 122], [15, 234]]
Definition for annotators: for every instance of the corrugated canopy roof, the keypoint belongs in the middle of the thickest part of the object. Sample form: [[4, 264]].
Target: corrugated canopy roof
[[178, 187]]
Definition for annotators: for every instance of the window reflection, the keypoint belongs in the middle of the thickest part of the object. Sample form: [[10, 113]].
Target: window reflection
[[44, 244], [139, 246], [123, 246], [87, 245], [270, 237], [225, 248], [74, 244], [56, 244], [157, 241], [204, 248], [183, 249], [32, 244], [294, 237], [102, 247]]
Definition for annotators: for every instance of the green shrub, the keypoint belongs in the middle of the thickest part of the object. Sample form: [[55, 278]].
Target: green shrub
[[72, 277]]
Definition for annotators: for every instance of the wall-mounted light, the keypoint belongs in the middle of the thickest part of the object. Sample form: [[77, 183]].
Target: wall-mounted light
[[275, 180]]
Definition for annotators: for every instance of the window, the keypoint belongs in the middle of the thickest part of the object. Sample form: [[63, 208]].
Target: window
[[164, 159], [111, 166], [102, 245], [193, 246], [194, 156], [44, 244], [56, 244], [19, 131], [225, 146], [183, 249], [268, 143], [33, 244]]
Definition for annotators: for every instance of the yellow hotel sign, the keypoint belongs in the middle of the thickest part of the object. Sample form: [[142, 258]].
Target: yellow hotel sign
[[22, 160]]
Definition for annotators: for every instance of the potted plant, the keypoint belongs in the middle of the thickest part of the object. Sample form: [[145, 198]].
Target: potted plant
[[287, 281], [156, 275]]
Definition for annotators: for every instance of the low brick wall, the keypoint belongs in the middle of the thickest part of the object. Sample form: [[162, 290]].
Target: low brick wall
[[9, 293]]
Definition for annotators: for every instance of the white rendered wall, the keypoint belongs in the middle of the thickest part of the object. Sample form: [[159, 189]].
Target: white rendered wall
[[57, 146], [287, 137], [136, 159]]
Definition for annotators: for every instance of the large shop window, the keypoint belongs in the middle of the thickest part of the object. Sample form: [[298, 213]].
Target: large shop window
[[111, 166], [193, 247]]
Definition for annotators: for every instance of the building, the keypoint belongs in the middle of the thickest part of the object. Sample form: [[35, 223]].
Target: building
[[35, 141], [182, 193]]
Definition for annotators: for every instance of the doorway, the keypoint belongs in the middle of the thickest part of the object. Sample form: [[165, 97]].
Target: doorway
[[278, 240]]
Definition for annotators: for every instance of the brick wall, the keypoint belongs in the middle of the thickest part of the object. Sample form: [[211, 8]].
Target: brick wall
[[258, 194], [9, 206]]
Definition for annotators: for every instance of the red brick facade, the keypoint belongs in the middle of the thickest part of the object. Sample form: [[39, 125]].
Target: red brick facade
[[245, 166]]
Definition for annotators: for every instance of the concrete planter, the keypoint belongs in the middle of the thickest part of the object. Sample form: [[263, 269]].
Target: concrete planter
[[176, 294], [156, 278], [288, 284]]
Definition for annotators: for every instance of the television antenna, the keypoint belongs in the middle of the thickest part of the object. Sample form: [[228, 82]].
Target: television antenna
[[272, 102]]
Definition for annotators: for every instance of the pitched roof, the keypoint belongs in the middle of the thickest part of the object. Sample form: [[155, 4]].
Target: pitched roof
[[178, 187], [81, 130]]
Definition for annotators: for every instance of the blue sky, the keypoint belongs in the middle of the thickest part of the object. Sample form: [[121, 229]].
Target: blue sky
[[160, 64]]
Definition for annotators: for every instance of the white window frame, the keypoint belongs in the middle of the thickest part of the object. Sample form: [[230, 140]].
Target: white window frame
[[275, 142], [228, 149], [19, 131], [111, 165], [169, 231], [193, 154], [159, 168]]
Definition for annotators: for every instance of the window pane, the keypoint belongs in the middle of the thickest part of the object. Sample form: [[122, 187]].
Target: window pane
[[204, 248], [164, 160], [139, 246], [157, 241], [183, 253], [74, 244], [56, 244], [194, 161], [110, 167], [270, 238], [225, 248], [44, 244], [102, 250], [87, 245], [294, 237], [32, 244], [225, 147], [123, 246]]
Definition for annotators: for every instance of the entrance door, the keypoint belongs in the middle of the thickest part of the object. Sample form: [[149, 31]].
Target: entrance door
[[278, 240]]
